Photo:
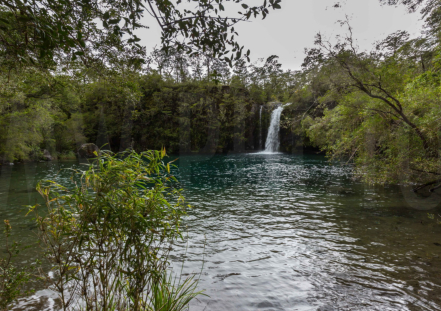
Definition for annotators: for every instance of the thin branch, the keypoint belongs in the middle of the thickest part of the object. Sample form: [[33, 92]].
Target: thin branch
[[236, 20], [415, 189], [353, 154], [434, 188], [154, 13]]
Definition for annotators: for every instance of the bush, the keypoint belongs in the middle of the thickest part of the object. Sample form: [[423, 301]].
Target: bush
[[68, 155], [109, 236]]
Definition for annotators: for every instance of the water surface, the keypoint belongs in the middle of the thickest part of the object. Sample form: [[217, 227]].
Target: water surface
[[280, 232]]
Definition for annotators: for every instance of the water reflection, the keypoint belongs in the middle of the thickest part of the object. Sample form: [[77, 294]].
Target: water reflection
[[293, 233], [282, 232]]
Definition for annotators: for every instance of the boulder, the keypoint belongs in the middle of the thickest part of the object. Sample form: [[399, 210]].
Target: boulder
[[88, 151], [46, 155]]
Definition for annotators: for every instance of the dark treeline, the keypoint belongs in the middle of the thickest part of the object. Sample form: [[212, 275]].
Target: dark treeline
[[74, 72], [379, 109], [185, 104]]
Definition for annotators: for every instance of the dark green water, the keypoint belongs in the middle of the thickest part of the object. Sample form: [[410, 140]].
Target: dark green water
[[281, 232]]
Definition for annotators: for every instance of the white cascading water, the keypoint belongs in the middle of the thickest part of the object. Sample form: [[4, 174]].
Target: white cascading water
[[272, 140], [260, 123]]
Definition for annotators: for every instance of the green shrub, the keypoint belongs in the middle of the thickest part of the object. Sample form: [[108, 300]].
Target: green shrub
[[109, 237], [68, 155]]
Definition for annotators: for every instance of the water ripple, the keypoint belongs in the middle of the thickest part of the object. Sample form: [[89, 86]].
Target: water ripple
[[282, 232]]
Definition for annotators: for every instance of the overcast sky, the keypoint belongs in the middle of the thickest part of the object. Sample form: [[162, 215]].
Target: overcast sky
[[287, 32]]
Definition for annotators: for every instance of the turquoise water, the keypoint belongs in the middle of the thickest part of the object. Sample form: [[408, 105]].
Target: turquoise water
[[280, 232]]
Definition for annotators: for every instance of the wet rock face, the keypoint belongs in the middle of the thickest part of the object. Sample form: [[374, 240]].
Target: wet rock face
[[88, 151]]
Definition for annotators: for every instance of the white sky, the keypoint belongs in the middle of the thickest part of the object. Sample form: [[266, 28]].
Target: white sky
[[287, 32]]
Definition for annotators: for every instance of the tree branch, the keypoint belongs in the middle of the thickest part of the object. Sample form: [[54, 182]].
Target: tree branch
[[236, 20], [154, 13], [415, 189]]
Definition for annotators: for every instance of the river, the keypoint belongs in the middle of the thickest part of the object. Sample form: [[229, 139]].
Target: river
[[278, 232]]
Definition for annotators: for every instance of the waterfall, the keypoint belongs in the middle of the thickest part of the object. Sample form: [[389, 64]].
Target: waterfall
[[260, 123], [272, 140]]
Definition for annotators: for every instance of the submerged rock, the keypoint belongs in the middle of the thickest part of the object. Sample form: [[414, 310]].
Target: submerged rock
[[88, 151]]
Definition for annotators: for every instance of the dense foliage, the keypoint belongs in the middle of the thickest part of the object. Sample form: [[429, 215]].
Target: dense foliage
[[380, 108], [108, 237], [44, 33], [73, 72], [192, 104]]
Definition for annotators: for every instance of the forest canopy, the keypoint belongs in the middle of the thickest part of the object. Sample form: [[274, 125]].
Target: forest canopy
[[45, 32], [380, 108]]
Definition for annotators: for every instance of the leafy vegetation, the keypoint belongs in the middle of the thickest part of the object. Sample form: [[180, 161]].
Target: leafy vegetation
[[196, 107], [74, 72], [43, 33], [109, 236], [13, 279], [379, 109]]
